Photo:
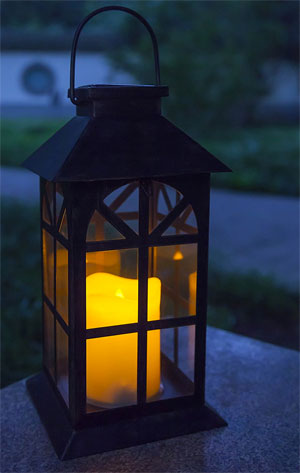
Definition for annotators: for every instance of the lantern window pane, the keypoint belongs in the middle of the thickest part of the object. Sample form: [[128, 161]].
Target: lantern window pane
[[63, 227], [59, 198], [175, 362], [168, 197], [184, 224], [111, 371], [124, 201], [154, 385], [100, 229], [162, 200], [175, 266], [62, 362], [62, 281], [49, 191], [46, 210], [49, 340], [111, 288], [48, 265]]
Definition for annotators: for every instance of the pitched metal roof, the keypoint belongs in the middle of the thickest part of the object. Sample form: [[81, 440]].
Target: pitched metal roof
[[89, 149]]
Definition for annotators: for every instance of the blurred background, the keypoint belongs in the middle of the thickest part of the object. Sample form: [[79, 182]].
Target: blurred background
[[232, 69]]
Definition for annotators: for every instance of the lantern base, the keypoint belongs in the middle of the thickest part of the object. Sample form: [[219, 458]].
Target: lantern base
[[71, 443]]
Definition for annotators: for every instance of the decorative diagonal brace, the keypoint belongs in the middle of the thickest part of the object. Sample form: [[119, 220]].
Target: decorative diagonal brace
[[117, 222], [166, 197], [123, 196], [60, 217], [167, 221]]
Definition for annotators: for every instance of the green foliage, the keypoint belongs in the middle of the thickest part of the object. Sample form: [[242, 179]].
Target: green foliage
[[19, 138], [56, 15], [212, 54], [249, 304], [20, 303], [40, 13], [253, 305], [263, 159]]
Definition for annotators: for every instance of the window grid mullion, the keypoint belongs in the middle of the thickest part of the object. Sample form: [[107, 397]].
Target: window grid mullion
[[142, 293], [54, 285]]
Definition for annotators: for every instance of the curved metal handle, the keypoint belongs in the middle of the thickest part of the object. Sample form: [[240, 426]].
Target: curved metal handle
[[91, 15]]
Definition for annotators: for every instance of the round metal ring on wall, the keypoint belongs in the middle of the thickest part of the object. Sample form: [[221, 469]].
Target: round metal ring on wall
[[38, 79]]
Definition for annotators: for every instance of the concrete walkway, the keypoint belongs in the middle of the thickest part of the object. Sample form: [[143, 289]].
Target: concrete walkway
[[248, 231], [256, 232]]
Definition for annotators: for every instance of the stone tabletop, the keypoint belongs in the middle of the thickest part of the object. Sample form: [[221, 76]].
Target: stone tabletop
[[253, 385]]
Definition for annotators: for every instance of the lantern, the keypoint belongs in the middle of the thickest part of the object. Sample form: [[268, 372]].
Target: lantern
[[124, 225]]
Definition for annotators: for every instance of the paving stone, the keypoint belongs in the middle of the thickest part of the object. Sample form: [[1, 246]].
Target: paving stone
[[253, 385]]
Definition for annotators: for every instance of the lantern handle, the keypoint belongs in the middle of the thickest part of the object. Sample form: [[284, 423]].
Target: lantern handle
[[73, 98]]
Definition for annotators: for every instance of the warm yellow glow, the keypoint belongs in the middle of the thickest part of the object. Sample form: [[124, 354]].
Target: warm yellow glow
[[192, 311], [192, 291], [177, 256], [112, 361], [119, 293], [98, 261]]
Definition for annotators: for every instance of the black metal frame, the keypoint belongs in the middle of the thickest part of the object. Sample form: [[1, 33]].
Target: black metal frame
[[80, 200]]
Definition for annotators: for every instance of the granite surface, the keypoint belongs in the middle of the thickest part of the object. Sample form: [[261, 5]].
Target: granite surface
[[253, 385]]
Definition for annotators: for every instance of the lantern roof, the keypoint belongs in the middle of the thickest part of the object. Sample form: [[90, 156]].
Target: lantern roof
[[105, 147]]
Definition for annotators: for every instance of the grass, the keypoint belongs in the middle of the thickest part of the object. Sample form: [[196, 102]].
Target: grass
[[20, 302], [19, 138], [264, 159], [249, 304], [254, 305]]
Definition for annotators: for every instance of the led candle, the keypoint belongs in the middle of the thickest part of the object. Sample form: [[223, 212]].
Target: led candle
[[112, 361]]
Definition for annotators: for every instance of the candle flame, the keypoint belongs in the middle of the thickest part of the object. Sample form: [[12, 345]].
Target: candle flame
[[119, 293], [177, 256]]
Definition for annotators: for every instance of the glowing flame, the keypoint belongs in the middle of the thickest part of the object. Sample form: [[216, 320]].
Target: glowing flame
[[119, 293], [177, 255]]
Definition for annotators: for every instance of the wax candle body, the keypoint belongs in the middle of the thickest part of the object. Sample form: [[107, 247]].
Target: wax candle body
[[112, 361]]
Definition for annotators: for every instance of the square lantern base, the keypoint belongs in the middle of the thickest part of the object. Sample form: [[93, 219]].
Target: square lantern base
[[70, 443]]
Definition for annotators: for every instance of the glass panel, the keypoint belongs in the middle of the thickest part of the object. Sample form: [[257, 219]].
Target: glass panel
[[176, 362], [125, 202], [100, 229], [111, 288], [154, 386], [103, 261], [184, 224], [48, 265], [63, 228], [162, 200], [62, 362], [192, 292], [111, 370], [173, 265], [59, 198], [168, 197], [49, 340], [46, 210], [49, 186], [62, 281]]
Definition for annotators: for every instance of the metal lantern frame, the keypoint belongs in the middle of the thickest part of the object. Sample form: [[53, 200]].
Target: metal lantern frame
[[120, 138]]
